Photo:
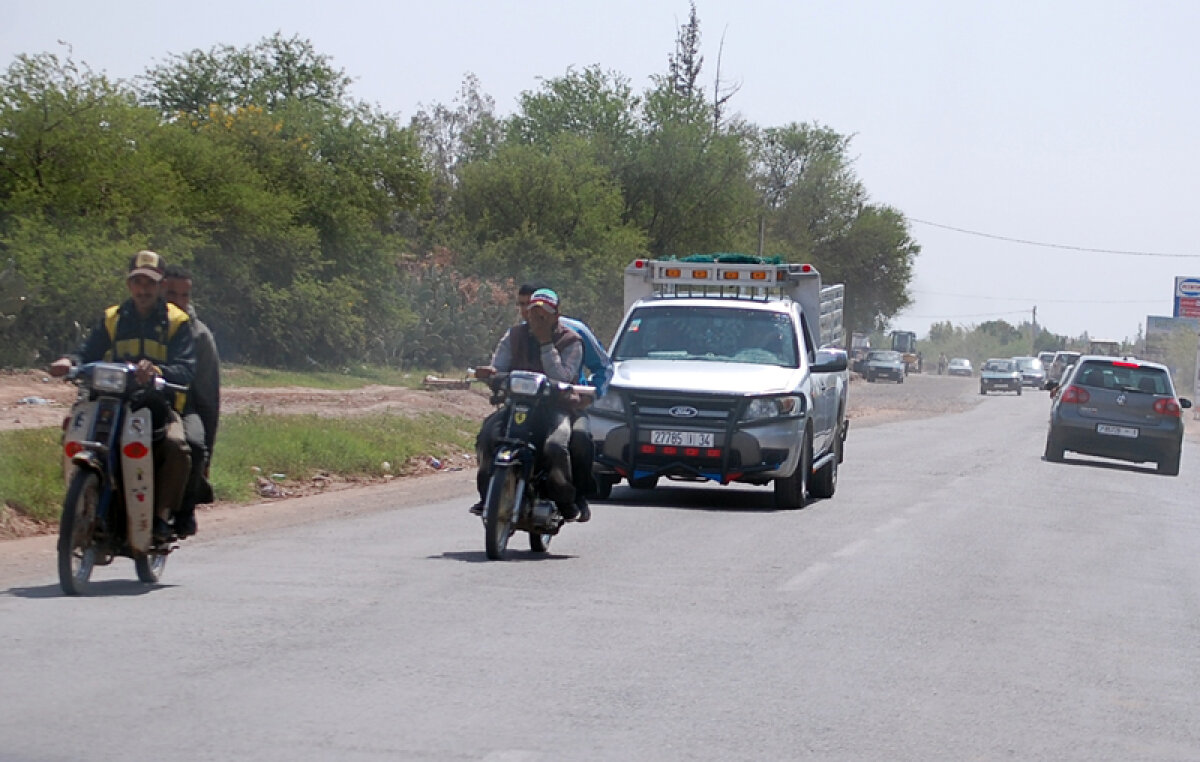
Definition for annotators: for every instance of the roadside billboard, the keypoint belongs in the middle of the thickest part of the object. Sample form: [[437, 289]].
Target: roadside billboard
[[1187, 297]]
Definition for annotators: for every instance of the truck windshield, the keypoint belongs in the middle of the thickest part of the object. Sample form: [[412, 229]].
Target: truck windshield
[[709, 333]]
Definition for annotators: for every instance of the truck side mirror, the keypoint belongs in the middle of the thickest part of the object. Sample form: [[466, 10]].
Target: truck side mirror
[[829, 361]]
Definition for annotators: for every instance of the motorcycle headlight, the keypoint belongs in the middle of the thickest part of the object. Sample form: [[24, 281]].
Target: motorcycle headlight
[[773, 407], [525, 384], [109, 378], [610, 403]]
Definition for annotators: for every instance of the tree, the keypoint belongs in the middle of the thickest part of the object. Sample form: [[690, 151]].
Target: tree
[[268, 74], [874, 258], [596, 105], [80, 189], [552, 215], [451, 136], [684, 65], [306, 238], [809, 194]]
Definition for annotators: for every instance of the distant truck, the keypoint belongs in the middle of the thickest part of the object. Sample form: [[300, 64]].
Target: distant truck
[[1110, 348], [905, 342], [728, 368]]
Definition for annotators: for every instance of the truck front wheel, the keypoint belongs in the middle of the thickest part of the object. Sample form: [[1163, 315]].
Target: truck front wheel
[[791, 491]]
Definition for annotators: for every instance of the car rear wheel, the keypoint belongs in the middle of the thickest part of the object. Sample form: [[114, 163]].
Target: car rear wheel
[[1054, 449], [1169, 466]]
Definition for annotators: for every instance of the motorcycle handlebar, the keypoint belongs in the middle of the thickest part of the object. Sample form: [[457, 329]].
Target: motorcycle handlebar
[[495, 381], [160, 384]]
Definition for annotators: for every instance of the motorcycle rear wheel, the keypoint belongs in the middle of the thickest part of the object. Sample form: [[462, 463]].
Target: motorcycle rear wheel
[[77, 551], [500, 512]]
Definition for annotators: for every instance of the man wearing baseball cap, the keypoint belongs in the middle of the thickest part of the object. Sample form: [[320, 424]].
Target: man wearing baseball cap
[[153, 335], [543, 345]]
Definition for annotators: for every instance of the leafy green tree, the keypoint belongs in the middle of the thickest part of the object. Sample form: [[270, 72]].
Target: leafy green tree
[[326, 187], [552, 215], [80, 189], [273, 72], [593, 104], [451, 136], [688, 185], [874, 258], [1002, 330]]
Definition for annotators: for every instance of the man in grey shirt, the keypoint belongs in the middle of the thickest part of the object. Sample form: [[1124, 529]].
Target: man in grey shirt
[[544, 345], [203, 411]]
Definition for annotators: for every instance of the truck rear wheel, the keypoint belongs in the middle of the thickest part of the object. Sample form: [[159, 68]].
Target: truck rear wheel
[[824, 482]]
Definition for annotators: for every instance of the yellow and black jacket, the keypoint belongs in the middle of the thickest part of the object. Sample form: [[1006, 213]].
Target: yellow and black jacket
[[124, 336]]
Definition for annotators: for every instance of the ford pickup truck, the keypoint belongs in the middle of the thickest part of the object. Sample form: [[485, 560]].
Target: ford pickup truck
[[728, 368]]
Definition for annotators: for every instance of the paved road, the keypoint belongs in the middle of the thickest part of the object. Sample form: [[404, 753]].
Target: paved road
[[958, 599]]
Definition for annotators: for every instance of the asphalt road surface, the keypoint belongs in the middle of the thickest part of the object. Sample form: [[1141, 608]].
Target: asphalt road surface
[[959, 598]]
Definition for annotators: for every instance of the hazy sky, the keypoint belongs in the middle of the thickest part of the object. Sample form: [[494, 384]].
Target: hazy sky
[[1065, 123]]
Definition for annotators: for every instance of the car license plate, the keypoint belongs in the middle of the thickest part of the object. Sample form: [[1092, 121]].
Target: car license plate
[[681, 438], [1117, 431]]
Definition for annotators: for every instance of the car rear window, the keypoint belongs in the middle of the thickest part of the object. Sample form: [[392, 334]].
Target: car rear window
[[1104, 375]]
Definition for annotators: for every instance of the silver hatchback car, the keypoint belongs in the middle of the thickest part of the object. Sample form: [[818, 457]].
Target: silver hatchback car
[[1118, 408]]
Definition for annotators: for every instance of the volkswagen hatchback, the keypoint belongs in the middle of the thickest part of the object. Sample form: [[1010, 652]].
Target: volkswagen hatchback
[[1118, 408]]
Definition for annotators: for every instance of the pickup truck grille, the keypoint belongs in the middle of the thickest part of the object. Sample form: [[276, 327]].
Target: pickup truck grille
[[654, 410]]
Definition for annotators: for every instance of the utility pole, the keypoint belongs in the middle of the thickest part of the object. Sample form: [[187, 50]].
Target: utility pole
[[1033, 339]]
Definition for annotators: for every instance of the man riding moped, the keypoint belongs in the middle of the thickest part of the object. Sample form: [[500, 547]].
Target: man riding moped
[[543, 345], [152, 334]]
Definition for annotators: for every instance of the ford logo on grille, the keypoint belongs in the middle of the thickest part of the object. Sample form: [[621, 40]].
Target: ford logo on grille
[[684, 411]]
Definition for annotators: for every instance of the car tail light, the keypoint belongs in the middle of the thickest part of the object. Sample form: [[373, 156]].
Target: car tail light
[[1167, 407], [1075, 395]]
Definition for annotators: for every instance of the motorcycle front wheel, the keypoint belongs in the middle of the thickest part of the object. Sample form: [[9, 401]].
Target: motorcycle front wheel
[[150, 566], [539, 542], [500, 512], [77, 533]]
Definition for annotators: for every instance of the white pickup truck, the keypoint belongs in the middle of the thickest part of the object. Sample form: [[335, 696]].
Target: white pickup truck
[[725, 371]]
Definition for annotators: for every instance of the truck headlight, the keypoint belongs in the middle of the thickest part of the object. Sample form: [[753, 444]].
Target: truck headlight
[[611, 403], [773, 407]]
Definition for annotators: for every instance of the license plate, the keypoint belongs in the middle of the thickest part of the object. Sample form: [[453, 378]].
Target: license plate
[[681, 438], [1117, 431]]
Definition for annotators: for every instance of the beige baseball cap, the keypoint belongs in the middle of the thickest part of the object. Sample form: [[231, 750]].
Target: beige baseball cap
[[146, 263]]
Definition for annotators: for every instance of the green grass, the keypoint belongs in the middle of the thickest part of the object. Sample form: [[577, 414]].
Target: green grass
[[299, 447], [31, 477], [349, 378]]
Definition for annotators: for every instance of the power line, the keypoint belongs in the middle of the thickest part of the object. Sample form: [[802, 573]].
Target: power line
[[956, 317], [1054, 245], [1041, 301]]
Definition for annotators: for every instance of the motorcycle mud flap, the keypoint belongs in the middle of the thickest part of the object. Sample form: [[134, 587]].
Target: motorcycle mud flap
[[137, 470]]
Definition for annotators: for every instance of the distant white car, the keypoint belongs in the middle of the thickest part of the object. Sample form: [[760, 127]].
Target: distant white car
[[960, 366]]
